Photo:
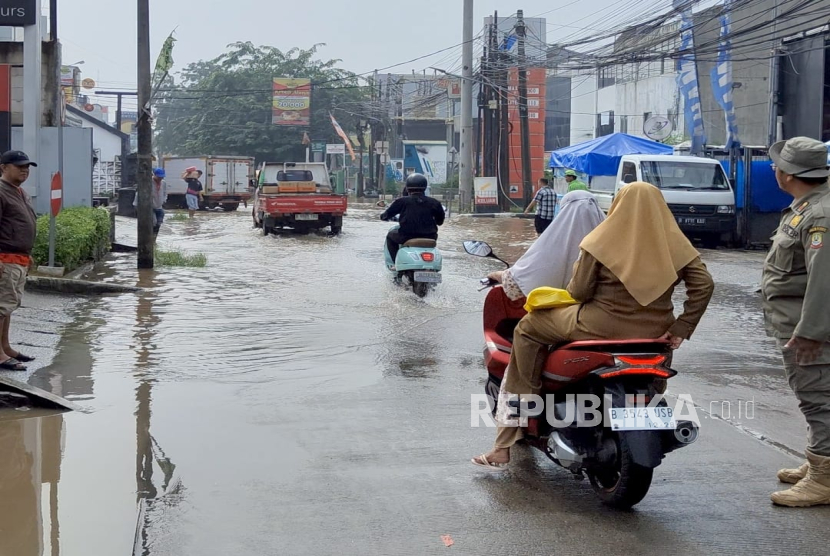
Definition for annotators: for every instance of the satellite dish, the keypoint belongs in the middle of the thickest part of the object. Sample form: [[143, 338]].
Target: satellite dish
[[88, 83], [657, 128]]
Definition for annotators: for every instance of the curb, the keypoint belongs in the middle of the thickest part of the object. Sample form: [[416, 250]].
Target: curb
[[76, 287], [38, 397]]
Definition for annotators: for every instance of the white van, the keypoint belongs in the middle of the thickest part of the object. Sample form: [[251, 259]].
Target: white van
[[696, 189]]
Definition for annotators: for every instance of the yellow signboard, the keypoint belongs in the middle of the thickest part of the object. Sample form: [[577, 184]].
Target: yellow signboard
[[292, 102]]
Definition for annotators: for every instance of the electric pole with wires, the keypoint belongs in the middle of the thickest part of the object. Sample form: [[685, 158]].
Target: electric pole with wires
[[145, 141], [527, 170], [466, 162]]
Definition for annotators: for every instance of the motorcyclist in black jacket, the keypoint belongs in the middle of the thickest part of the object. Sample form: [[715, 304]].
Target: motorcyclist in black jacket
[[419, 215]]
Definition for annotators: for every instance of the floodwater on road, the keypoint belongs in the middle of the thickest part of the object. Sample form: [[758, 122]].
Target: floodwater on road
[[288, 398]]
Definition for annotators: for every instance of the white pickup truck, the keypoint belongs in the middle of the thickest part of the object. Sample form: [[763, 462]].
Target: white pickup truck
[[696, 189]]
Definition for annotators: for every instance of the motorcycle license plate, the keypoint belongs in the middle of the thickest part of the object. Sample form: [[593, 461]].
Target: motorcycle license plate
[[642, 418], [430, 277], [305, 217]]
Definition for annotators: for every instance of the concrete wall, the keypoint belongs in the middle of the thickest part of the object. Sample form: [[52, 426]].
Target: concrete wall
[[607, 102], [77, 188], [657, 95], [12, 53], [751, 66], [558, 112], [108, 143], [583, 107]]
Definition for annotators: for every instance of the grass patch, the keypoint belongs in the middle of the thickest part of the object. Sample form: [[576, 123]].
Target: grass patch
[[178, 217], [180, 258]]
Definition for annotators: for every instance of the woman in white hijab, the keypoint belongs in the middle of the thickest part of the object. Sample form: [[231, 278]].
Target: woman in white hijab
[[550, 260]]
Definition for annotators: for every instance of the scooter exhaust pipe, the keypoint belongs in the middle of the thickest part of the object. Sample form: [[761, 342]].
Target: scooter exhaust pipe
[[686, 433]]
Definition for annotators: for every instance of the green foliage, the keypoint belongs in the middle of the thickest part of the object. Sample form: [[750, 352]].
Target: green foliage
[[224, 106], [180, 258], [81, 234], [178, 217]]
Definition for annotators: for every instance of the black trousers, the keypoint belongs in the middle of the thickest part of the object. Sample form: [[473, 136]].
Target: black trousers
[[395, 239], [541, 224]]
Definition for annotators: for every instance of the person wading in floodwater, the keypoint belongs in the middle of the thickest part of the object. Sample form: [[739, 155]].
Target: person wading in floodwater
[[194, 189], [158, 198], [545, 201]]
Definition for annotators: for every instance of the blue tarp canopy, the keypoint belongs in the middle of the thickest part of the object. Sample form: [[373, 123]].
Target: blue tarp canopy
[[601, 156]]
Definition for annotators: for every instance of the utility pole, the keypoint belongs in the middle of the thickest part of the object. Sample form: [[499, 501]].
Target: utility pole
[[32, 96], [399, 127], [145, 140], [502, 133], [361, 140], [466, 169], [372, 136], [527, 170], [485, 110]]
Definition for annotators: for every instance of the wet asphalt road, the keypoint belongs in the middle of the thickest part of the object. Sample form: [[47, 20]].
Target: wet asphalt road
[[288, 399]]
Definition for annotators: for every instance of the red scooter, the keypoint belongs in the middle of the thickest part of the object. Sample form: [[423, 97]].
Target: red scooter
[[618, 381]]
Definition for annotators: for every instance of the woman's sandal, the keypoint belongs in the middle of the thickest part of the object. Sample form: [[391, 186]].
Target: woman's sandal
[[24, 358], [12, 365], [488, 465]]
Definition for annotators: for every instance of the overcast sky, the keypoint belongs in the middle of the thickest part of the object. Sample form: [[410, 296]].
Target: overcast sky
[[365, 34]]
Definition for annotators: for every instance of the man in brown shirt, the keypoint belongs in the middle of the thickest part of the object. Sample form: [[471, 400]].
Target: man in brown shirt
[[18, 228]]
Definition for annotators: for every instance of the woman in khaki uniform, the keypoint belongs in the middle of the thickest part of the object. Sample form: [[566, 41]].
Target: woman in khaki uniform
[[624, 281]]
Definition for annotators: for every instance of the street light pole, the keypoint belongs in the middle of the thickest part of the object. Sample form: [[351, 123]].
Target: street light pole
[[466, 169]]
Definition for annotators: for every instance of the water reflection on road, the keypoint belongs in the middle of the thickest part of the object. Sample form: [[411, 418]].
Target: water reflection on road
[[229, 402]]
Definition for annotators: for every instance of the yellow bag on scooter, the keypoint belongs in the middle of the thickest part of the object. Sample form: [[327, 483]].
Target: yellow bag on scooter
[[548, 298]]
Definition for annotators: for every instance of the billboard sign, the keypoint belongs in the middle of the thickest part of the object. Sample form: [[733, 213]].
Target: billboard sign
[[292, 102], [428, 158], [19, 13]]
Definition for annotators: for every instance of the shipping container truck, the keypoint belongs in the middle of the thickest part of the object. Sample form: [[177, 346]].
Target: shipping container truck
[[227, 180]]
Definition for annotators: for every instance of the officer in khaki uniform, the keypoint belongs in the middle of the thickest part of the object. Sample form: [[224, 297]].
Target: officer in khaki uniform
[[796, 291]]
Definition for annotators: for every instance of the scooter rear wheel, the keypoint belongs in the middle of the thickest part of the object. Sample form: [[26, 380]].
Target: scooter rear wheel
[[622, 484], [420, 288]]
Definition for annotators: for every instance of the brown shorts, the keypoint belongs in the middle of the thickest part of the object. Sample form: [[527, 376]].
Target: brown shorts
[[12, 282]]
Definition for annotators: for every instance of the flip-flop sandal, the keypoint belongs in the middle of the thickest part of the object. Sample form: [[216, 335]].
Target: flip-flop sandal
[[12, 365], [497, 467], [24, 358]]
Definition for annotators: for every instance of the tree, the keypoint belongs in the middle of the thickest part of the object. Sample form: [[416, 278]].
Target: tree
[[223, 106]]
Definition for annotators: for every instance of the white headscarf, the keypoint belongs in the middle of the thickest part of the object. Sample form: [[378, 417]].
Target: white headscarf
[[550, 260]]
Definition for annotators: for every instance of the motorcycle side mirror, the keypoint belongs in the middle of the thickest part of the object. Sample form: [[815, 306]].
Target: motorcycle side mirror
[[478, 248], [482, 249]]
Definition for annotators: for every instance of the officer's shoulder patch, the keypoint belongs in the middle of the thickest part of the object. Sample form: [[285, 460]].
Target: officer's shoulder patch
[[817, 240], [818, 230], [802, 207], [796, 220]]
